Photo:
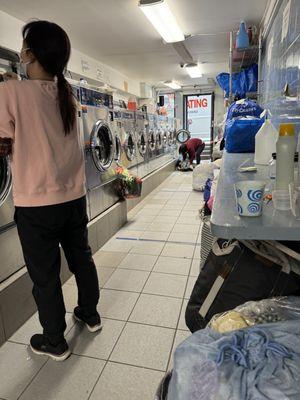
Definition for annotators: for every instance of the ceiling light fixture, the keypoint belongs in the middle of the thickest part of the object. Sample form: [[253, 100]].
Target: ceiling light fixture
[[163, 20], [193, 70], [172, 84]]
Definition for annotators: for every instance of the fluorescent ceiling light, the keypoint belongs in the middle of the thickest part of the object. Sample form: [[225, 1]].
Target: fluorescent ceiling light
[[172, 85], [161, 17], [193, 70]]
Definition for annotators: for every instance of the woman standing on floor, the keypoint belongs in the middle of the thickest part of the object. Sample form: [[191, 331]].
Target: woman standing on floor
[[38, 127]]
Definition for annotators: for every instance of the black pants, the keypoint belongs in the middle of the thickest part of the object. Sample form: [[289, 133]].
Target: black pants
[[41, 230], [199, 152]]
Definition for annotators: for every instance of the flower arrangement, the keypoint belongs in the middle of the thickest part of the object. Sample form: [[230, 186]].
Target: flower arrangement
[[128, 186]]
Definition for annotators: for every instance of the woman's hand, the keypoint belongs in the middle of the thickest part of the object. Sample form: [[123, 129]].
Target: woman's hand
[[9, 76]]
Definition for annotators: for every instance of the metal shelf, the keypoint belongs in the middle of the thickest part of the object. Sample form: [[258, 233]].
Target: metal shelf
[[244, 58], [240, 59]]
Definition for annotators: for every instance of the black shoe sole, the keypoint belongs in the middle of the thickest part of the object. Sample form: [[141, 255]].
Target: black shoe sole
[[61, 357], [92, 329]]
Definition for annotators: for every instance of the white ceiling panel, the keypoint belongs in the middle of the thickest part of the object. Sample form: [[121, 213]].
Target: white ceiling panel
[[117, 33]]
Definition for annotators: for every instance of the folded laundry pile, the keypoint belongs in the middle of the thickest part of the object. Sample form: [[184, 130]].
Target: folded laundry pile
[[261, 363]]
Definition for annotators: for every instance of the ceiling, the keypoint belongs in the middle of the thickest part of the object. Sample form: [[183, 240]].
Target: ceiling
[[117, 33]]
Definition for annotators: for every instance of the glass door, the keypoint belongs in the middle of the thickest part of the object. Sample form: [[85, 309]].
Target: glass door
[[198, 117]]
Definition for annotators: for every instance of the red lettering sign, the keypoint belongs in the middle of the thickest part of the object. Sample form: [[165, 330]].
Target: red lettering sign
[[197, 103]]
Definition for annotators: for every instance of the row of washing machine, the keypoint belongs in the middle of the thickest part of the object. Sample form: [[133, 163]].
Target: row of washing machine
[[137, 141]]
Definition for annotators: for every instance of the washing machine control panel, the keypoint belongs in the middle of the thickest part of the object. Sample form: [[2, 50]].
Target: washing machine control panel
[[89, 97]]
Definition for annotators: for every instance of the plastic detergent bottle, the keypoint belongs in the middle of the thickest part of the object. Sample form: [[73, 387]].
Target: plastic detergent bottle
[[242, 38], [265, 142], [285, 153]]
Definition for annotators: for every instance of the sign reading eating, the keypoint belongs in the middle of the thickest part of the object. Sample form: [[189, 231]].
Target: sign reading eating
[[197, 103]]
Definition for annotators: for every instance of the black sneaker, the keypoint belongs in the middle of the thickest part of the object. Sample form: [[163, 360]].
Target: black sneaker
[[41, 345], [93, 322]]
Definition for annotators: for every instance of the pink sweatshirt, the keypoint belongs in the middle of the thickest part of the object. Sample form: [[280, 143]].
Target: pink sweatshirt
[[47, 165]]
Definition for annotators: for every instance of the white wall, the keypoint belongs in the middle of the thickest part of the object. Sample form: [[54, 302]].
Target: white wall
[[80, 63]]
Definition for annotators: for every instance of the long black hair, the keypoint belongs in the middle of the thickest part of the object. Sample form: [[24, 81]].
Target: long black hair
[[51, 46]]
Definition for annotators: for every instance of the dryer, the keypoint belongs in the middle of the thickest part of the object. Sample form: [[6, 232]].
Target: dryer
[[129, 142], [99, 150], [142, 143]]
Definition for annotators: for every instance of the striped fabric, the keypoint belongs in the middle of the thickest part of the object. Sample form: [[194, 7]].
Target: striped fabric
[[206, 241]]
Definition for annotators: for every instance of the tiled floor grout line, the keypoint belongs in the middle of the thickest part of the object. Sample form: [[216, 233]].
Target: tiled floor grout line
[[126, 322], [181, 308], [155, 272], [157, 240], [182, 302], [131, 291], [138, 323], [33, 378]]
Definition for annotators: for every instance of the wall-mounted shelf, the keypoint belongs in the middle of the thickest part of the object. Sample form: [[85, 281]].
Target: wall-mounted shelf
[[244, 58]]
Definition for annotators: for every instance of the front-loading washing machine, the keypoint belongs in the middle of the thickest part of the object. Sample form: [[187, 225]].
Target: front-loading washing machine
[[160, 136], [6, 202], [129, 142], [99, 141], [172, 137], [117, 133], [10, 248], [142, 143], [151, 134]]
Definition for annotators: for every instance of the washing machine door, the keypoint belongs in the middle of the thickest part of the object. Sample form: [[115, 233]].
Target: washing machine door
[[102, 146], [118, 148], [159, 142], [166, 138], [152, 141], [130, 147], [170, 138], [5, 179], [142, 144], [183, 135]]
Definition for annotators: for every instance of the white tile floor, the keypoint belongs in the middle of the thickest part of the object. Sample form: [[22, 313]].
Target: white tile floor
[[146, 272]]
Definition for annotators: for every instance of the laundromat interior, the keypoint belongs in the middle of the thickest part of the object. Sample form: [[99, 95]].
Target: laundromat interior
[[149, 200]]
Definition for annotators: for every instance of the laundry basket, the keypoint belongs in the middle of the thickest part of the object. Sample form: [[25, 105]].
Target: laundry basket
[[162, 391]]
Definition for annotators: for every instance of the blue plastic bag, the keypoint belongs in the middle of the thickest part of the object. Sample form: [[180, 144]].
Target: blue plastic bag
[[240, 134], [242, 82], [248, 108], [239, 83]]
